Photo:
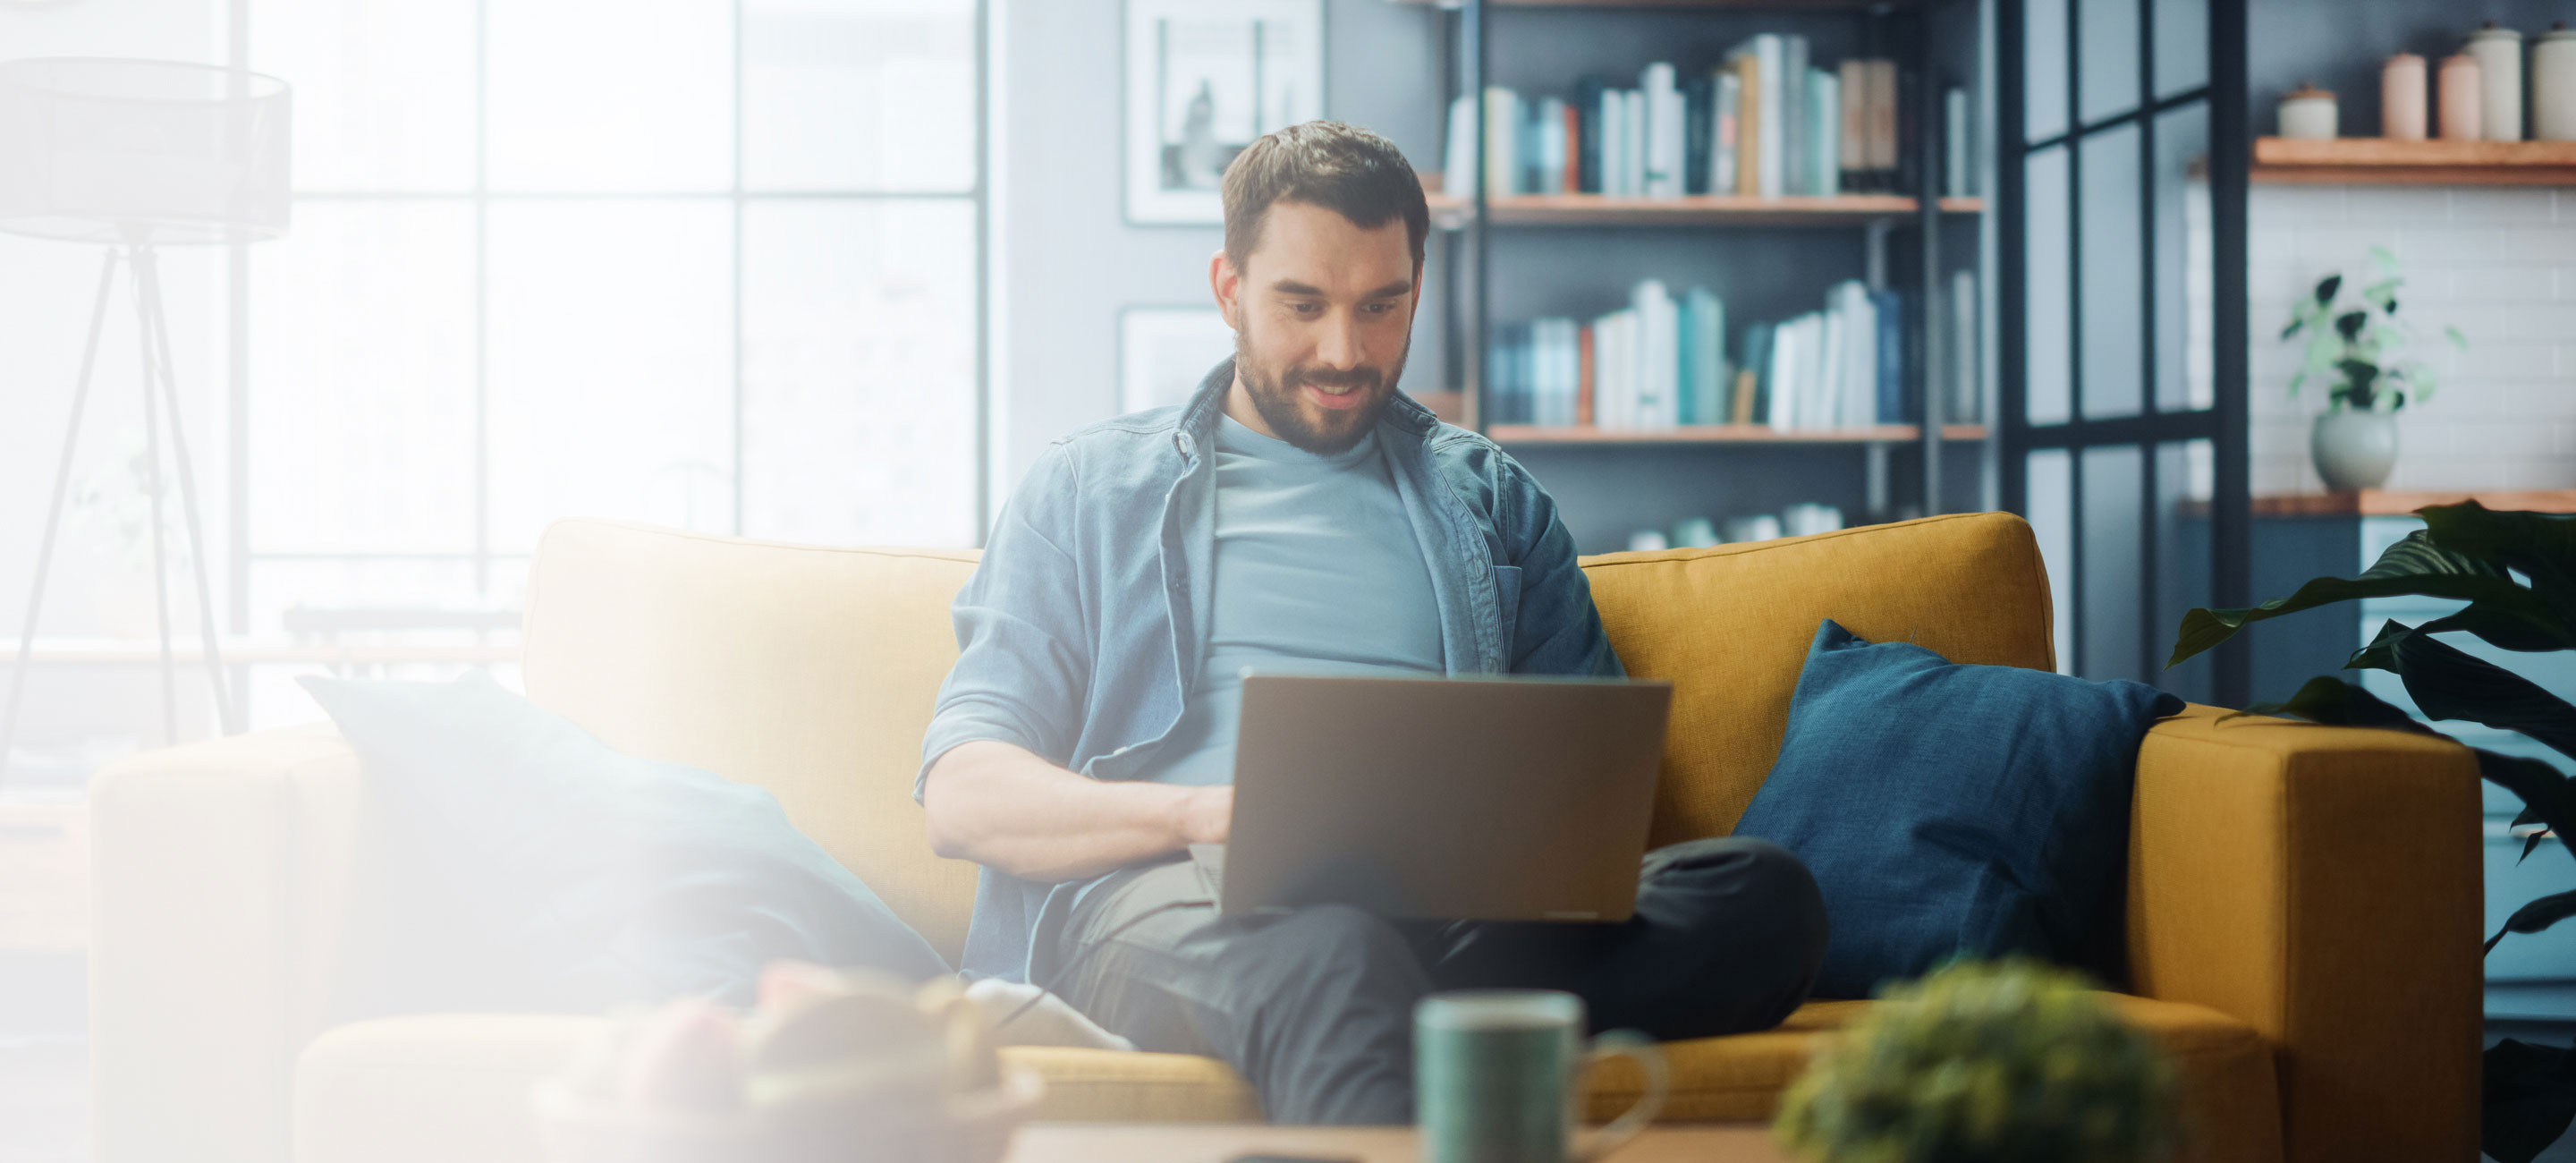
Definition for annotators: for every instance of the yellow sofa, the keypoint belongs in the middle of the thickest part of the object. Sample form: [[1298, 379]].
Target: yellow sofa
[[2301, 901]]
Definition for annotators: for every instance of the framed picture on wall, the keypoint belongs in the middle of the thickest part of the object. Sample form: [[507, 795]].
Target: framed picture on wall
[[1203, 79], [1163, 353]]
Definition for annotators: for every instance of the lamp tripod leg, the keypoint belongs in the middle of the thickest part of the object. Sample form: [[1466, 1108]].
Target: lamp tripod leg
[[54, 511], [147, 282], [152, 490]]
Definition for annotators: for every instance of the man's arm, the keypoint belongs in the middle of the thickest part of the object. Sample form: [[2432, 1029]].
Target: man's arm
[[1560, 630], [1004, 808], [994, 778]]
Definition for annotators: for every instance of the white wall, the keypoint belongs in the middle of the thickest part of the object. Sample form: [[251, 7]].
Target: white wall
[[2498, 262], [1069, 261]]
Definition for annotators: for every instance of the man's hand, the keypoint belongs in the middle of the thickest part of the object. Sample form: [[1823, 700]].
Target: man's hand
[[1002, 807], [1208, 814]]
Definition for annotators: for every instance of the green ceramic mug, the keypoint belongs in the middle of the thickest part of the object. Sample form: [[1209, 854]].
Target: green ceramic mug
[[1494, 1077]]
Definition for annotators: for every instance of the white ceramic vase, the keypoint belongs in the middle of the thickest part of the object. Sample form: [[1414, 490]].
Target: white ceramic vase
[[2353, 449]]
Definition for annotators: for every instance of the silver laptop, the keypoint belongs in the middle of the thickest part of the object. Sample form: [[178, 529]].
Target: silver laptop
[[1468, 799]]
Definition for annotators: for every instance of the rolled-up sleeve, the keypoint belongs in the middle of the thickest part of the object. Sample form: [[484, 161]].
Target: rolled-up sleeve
[[1023, 638]]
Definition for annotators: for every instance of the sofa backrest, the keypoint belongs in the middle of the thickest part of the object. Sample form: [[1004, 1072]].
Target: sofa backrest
[[807, 670], [1730, 626], [811, 671]]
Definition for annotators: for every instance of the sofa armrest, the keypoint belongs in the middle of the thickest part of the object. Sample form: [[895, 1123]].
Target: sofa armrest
[[220, 875], [2321, 884]]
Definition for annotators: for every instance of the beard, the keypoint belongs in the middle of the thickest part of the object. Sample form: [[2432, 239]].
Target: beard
[[1277, 396]]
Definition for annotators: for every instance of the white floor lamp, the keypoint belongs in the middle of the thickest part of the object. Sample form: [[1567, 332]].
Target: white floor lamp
[[136, 155]]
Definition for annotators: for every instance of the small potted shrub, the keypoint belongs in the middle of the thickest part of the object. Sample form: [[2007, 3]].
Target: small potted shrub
[[1984, 1062], [2356, 347]]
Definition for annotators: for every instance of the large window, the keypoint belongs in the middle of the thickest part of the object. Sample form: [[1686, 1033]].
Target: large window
[[714, 264]]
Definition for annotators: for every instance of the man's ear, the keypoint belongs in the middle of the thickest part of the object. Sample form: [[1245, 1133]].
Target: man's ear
[[1225, 283]]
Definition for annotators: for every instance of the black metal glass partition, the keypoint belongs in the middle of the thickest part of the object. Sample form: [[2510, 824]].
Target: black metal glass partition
[[2122, 171]]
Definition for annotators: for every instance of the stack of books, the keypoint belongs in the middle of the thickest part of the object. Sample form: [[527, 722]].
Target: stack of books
[[1762, 123], [1657, 363], [1839, 367], [1664, 361]]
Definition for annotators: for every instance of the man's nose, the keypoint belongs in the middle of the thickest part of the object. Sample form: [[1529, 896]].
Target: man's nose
[[1339, 346]]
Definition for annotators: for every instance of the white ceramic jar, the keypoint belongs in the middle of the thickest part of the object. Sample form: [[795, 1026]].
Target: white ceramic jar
[[2499, 55], [2553, 85], [2308, 113]]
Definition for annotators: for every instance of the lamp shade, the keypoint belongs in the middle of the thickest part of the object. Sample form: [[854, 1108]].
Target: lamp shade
[[134, 151]]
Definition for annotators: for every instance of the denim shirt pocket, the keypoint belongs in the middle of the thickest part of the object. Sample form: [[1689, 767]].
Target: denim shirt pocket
[[1507, 607]]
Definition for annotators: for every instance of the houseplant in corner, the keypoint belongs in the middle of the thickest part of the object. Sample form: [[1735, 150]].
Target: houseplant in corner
[[2471, 554], [2357, 349]]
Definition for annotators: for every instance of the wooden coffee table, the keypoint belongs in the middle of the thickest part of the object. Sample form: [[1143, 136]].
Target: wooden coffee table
[[1218, 1142]]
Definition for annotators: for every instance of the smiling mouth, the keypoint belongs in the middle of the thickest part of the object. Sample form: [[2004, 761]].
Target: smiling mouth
[[1336, 395]]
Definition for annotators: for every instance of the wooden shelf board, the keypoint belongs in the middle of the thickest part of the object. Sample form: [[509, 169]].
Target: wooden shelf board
[[1758, 5], [1724, 434], [1451, 211], [2388, 503], [2380, 161]]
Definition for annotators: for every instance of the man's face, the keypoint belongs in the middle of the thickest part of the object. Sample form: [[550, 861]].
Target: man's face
[[1322, 312]]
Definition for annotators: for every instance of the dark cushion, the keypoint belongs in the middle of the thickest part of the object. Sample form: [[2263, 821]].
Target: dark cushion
[[1948, 809], [509, 861]]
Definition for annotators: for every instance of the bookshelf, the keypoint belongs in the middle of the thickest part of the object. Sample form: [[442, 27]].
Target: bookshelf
[[1512, 256], [1525, 434], [1452, 211], [2381, 161], [1749, 5]]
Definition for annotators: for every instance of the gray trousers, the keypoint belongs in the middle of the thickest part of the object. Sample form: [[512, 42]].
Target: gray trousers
[[1315, 1008]]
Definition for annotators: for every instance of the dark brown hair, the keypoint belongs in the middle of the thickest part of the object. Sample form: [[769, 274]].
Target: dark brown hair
[[1342, 168]]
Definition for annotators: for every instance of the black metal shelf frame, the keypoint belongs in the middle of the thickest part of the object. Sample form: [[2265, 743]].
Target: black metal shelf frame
[[2224, 422]]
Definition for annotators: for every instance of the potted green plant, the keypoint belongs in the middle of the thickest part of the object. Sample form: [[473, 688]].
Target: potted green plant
[[2517, 573], [2357, 348], [1984, 1062]]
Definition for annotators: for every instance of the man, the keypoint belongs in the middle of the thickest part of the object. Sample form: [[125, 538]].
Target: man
[[1299, 513]]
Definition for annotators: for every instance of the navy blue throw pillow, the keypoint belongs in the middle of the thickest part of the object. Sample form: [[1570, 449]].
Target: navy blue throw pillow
[[1949, 809], [510, 861]]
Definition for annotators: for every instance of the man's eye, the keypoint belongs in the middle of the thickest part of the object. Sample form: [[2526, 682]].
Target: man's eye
[[1380, 308], [1306, 308]]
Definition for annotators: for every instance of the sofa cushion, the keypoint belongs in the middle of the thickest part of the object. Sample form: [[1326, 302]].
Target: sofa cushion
[[1730, 626], [511, 861], [399, 1090], [1948, 809], [805, 669]]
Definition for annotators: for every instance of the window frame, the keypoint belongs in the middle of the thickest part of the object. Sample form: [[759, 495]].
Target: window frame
[[243, 555]]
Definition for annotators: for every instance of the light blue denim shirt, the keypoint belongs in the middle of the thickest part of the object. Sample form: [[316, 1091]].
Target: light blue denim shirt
[[1086, 622]]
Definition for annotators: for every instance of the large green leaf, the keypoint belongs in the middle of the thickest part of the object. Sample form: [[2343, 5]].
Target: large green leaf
[[2529, 1098], [2336, 703], [2548, 796], [2537, 916], [2415, 565], [2541, 545], [2447, 682], [2510, 629]]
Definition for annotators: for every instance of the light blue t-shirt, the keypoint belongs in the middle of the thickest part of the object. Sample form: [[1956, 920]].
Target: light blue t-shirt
[[1317, 571]]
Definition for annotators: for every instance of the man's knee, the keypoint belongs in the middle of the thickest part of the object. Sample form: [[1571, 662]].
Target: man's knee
[[1758, 902], [1329, 937]]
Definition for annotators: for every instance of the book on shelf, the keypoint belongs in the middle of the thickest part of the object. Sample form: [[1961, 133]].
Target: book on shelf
[[1963, 384], [1958, 165], [1823, 124], [1726, 131], [1665, 122], [1762, 123], [1789, 85]]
